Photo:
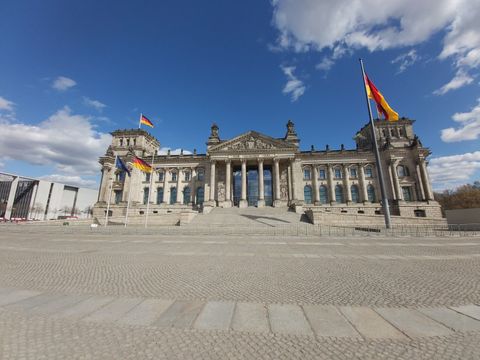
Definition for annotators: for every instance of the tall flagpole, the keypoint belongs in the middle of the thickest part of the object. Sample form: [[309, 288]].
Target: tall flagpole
[[149, 191], [128, 201], [386, 208], [140, 120], [110, 194]]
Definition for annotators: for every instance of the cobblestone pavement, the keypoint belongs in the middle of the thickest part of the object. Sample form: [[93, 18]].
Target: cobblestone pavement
[[85, 295]]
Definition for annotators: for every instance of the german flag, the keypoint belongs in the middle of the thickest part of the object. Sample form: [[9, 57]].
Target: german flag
[[141, 165], [144, 120], [382, 105]]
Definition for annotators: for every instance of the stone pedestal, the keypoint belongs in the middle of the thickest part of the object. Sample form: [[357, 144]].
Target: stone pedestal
[[280, 203], [226, 204], [261, 203], [243, 204]]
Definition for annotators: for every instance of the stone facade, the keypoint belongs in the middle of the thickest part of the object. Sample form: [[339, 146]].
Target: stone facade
[[253, 169]]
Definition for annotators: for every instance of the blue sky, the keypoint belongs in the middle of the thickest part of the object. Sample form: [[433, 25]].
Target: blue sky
[[71, 72]]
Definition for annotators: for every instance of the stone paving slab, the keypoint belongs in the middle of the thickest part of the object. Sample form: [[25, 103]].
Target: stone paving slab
[[146, 312], [113, 310], [452, 319], [215, 315], [470, 310], [33, 301], [413, 323], [288, 319], [328, 321], [181, 314], [250, 317], [59, 304], [85, 307], [370, 324], [16, 296]]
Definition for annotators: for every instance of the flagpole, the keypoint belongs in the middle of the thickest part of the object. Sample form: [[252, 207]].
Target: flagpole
[[128, 200], [149, 192], [110, 194], [386, 208], [140, 120]]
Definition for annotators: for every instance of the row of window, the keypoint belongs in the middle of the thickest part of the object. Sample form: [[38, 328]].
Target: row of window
[[173, 195], [173, 175], [339, 194], [337, 173], [393, 132], [127, 142]]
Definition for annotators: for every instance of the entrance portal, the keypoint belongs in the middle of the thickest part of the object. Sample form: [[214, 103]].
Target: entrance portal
[[253, 190]]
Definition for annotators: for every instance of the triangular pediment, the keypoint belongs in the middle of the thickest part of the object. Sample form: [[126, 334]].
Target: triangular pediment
[[252, 141]]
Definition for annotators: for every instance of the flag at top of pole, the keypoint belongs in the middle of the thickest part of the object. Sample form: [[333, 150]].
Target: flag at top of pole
[[382, 105], [144, 120]]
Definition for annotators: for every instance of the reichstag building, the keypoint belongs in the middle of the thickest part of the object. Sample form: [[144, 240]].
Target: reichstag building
[[254, 169]]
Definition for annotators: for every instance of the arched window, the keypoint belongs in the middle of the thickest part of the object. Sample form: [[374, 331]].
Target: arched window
[[339, 194], [186, 195], [371, 193], [368, 172], [337, 173], [200, 197], [173, 195], [307, 193], [323, 194], [159, 195], [307, 174], [145, 196], [355, 194], [402, 170]]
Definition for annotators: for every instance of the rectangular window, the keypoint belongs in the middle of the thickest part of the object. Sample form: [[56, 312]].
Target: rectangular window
[[200, 175], [306, 174], [321, 174], [353, 172], [147, 177], [118, 196], [174, 176], [338, 173], [161, 176], [368, 172], [187, 175], [407, 193], [145, 196]]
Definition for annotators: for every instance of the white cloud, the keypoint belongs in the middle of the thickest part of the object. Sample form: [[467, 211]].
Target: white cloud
[[5, 104], [469, 126], [164, 151], [460, 80], [294, 87], [325, 65], [455, 170], [63, 83], [71, 180], [406, 60], [65, 140], [94, 103], [378, 25]]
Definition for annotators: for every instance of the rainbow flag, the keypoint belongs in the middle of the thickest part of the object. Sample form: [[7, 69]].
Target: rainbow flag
[[141, 165], [144, 120]]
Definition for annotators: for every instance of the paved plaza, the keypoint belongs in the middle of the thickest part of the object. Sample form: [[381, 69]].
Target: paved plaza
[[74, 293]]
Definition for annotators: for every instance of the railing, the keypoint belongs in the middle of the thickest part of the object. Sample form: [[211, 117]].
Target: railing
[[290, 230]]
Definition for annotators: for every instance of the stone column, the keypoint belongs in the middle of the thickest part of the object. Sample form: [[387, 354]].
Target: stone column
[[243, 201], [331, 187], [212, 181], [276, 173], [346, 184], [426, 180], [289, 181], [294, 191], [390, 177], [261, 189], [11, 198], [316, 190], [193, 191], [165, 185], [419, 182], [104, 184], [396, 183], [179, 184], [363, 185], [228, 181]]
